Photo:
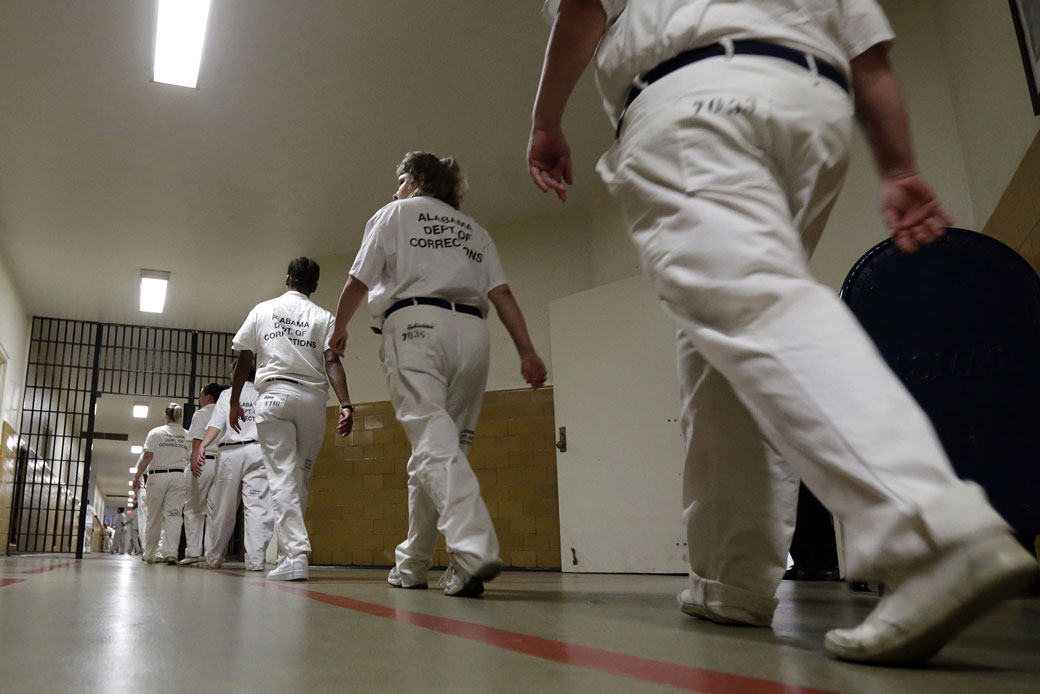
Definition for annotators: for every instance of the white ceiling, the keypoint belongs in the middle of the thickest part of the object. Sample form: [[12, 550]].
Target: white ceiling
[[111, 461], [286, 148]]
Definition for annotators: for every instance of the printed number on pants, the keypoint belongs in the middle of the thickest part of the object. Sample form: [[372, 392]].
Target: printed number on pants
[[415, 331], [275, 400], [731, 106]]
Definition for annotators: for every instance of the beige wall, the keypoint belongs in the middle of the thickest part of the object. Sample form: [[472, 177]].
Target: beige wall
[[14, 339], [991, 105]]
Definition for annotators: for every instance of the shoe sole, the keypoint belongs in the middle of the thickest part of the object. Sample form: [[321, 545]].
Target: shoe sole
[[1004, 582], [473, 588], [417, 586]]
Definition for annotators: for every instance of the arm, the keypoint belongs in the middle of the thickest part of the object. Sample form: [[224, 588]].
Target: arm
[[198, 458], [142, 466], [531, 365], [349, 300], [238, 379], [909, 207], [338, 379], [575, 35]]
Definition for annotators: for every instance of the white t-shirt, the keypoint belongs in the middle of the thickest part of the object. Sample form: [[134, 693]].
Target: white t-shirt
[[169, 447], [289, 336], [219, 419], [199, 422], [422, 247], [644, 33]]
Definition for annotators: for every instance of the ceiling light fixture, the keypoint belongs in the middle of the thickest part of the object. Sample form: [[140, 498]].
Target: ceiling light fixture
[[140, 412], [153, 290], [136, 450], [179, 35], [133, 471]]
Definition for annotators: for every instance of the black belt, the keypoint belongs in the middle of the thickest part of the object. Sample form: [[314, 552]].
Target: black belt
[[236, 443], [283, 378], [747, 47], [431, 301], [172, 469], [211, 457]]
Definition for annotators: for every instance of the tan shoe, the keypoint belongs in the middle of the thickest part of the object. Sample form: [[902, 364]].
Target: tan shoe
[[925, 610]]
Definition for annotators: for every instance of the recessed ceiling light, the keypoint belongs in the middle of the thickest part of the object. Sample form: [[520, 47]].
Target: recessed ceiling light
[[153, 290], [179, 35], [129, 483], [133, 471], [140, 412], [136, 450]]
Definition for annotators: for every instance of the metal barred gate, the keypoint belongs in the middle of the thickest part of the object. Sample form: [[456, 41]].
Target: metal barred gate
[[71, 363]]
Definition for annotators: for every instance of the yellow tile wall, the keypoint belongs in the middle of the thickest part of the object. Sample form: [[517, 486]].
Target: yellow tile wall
[[358, 507], [8, 460], [1016, 219]]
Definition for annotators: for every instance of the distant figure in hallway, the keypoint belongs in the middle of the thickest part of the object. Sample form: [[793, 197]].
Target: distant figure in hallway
[[164, 459], [197, 487], [240, 478]]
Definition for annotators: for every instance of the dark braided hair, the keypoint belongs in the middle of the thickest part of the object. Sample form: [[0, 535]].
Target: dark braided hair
[[303, 274]]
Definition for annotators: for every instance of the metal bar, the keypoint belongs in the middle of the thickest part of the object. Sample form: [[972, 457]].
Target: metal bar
[[90, 441], [189, 410]]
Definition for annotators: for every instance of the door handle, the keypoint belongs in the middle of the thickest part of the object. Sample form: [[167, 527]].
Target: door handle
[[561, 445]]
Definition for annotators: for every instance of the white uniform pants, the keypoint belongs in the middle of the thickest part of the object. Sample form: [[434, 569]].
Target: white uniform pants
[[196, 502], [290, 423], [165, 503], [142, 515], [436, 363], [726, 171], [240, 476], [120, 542]]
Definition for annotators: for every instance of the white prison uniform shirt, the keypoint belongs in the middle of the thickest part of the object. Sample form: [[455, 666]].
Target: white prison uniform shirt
[[289, 336], [422, 247], [169, 447], [199, 423], [641, 35], [221, 412]]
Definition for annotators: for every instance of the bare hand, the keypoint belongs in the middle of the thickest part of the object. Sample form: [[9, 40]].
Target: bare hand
[[137, 484], [913, 214], [338, 341], [549, 161], [346, 422], [533, 370], [236, 415], [198, 463]]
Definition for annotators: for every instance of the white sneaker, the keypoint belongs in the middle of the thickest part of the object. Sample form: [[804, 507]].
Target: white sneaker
[[188, 561], [920, 614], [395, 579], [695, 609], [171, 561], [291, 569], [457, 583]]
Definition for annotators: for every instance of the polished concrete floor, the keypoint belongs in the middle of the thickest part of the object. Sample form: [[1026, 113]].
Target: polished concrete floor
[[114, 624]]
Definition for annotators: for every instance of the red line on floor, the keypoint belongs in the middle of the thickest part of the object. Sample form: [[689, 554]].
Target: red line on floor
[[44, 569], [11, 581], [656, 671]]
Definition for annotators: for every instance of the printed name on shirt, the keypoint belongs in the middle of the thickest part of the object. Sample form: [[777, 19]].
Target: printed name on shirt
[[295, 331], [731, 106], [447, 235]]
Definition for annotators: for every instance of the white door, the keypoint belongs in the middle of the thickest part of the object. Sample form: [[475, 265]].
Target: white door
[[616, 391]]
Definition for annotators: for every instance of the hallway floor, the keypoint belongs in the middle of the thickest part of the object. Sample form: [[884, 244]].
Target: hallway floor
[[113, 624]]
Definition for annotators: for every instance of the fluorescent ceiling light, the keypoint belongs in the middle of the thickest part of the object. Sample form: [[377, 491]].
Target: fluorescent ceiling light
[[129, 483], [140, 412], [133, 471], [153, 290], [136, 450], [179, 35]]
